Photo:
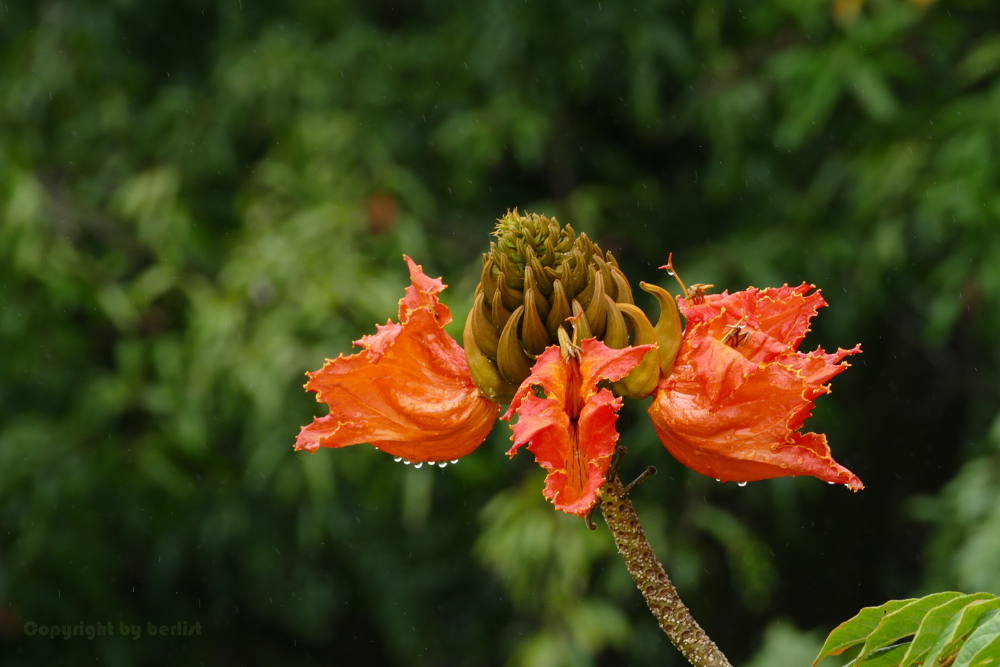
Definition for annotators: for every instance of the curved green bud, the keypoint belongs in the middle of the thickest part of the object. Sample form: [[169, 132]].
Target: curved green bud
[[488, 279], [534, 335], [500, 312], [615, 331], [560, 308], [581, 327], [485, 373], [668, 327], [609, 285], [549, 256], [564, 275], [487, 337], [543, 281], [530, 286], [579, 270], [513, 276], [595, 310], [512, 298], [513, 364], [643, 379], [623, 293]]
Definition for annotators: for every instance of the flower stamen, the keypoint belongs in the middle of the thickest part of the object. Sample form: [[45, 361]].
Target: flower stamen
[[696, 292], [566, 345], [736, 336]]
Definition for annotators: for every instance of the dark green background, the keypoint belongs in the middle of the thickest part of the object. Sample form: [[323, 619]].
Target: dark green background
[[192, 215]]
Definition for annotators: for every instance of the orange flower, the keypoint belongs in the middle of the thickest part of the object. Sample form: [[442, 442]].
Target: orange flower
[[730, 393], [740, 390], [408, 392], [571, 431]]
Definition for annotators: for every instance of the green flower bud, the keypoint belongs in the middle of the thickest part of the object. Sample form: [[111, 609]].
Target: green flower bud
[[641, 382], [668, 327], [536, 275]]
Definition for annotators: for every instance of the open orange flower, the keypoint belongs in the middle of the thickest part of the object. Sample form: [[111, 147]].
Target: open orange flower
[[571, 430], [408, 392], [740, 390]]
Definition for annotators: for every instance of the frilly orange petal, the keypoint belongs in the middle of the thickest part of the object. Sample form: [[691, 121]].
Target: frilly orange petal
[[408, 392], [732, 408], [422, 293], [782, 314], [571, 430]]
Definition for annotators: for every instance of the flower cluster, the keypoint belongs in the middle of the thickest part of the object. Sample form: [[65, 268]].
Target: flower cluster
[[553, 319]]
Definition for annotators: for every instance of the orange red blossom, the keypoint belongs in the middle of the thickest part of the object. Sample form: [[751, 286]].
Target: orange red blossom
[[731, 408]]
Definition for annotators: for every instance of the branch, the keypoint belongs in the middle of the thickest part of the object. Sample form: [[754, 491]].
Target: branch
[[652, 581]]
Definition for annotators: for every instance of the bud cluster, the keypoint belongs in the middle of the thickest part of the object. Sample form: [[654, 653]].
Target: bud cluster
[[537, 274]]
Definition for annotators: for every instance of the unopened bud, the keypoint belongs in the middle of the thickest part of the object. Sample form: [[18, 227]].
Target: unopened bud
[[536, 275], [641, 382], [513, 363], [668, 327]]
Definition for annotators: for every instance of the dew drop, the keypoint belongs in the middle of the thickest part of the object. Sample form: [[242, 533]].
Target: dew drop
[[406, 462], [442, 464], [829, 482], [670, 272], [417, 465], [718, 480], [454, 462], [398, 459], [742, 484]]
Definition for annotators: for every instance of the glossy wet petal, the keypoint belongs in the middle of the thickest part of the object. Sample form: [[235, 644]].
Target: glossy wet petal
[[571, 429], [740, 391], [408, 392]]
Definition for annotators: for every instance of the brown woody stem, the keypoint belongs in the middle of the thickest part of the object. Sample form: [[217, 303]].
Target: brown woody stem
[[652, 580]]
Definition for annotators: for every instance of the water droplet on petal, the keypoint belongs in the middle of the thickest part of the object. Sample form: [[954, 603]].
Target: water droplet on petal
[[718, 480], [742, 484], [417, 465], [831, 483], [454, 462], [406, 462], [397, 459], [442, 464]]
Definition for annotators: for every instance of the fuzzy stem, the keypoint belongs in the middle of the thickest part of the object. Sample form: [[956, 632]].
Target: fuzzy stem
[[652, 580]]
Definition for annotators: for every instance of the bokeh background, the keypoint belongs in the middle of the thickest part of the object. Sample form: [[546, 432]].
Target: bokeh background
[[202, 199]]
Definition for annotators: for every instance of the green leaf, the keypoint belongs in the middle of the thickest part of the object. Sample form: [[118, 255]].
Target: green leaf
[[883, 657], [904, 621], [983, 645], [958, 627], [857, 629], [934, 623]]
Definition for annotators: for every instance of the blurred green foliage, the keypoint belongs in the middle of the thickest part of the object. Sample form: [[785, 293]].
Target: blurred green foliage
[[201, 200]]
